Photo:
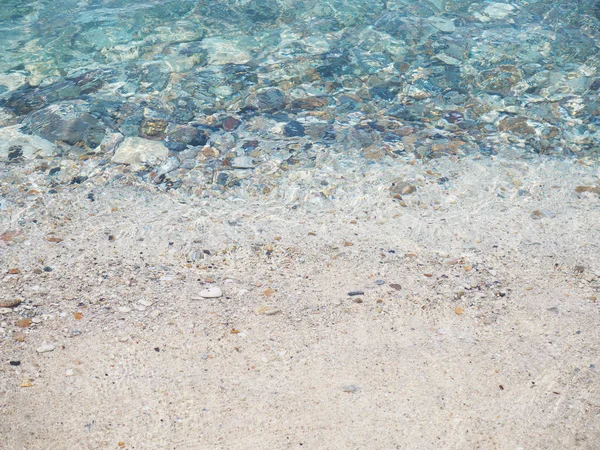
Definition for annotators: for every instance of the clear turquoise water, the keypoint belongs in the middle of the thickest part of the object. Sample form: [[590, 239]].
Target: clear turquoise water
[[419, 78]]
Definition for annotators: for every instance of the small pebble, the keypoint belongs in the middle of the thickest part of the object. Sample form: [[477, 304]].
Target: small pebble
[[15, 363], [45, 348], [23, 323], [379, 282], [10, 303], [69, 372], [350, 388], [212, 292], [541, 213], [353, 293], [267, 310]]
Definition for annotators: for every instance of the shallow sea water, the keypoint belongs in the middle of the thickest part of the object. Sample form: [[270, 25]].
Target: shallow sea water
[[234, 96]]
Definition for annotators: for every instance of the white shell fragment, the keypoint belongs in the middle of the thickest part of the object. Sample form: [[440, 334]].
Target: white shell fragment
[[211, 292]]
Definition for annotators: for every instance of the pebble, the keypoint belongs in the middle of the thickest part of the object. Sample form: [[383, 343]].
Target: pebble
[[350, 388], [379, 282], [541, 213], [294, 129], [69, 372], [266, 310], [45, 348], [136, 151], [29, 146], [242, 162], [402, 188], [212, 292], [442, 24], [498, 11], [10, 303], [353, 293]]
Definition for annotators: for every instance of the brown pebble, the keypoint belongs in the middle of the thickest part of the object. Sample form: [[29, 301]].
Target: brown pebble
[[153, 128], [395, 286], [14, 271], [579, 268], [230, 124], [10, 236], [10, 303], [23, 323], [594, 189], [358, 300], [210, 152], [402, 188]]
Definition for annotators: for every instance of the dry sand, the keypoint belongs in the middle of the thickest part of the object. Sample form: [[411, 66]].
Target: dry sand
[[490, 341]]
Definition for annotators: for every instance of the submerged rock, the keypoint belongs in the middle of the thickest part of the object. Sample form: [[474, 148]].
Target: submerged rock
[[15, 145], [69, 123], [136, 151], [269, 100]]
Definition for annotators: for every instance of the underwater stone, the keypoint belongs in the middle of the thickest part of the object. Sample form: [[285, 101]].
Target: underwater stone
[[500, 80], [270, 100], [68, 123], [294, 129], [153, 128], [136, 151], [14, 142]]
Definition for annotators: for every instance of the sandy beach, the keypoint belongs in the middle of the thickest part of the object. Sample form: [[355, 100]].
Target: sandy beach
[[462, 316]]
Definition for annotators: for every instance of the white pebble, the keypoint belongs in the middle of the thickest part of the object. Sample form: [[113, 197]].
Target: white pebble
[[45, 348], [212, 292], [69, 372]]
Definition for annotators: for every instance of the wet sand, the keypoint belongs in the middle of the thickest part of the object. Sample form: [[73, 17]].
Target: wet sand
[[477, 326]]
